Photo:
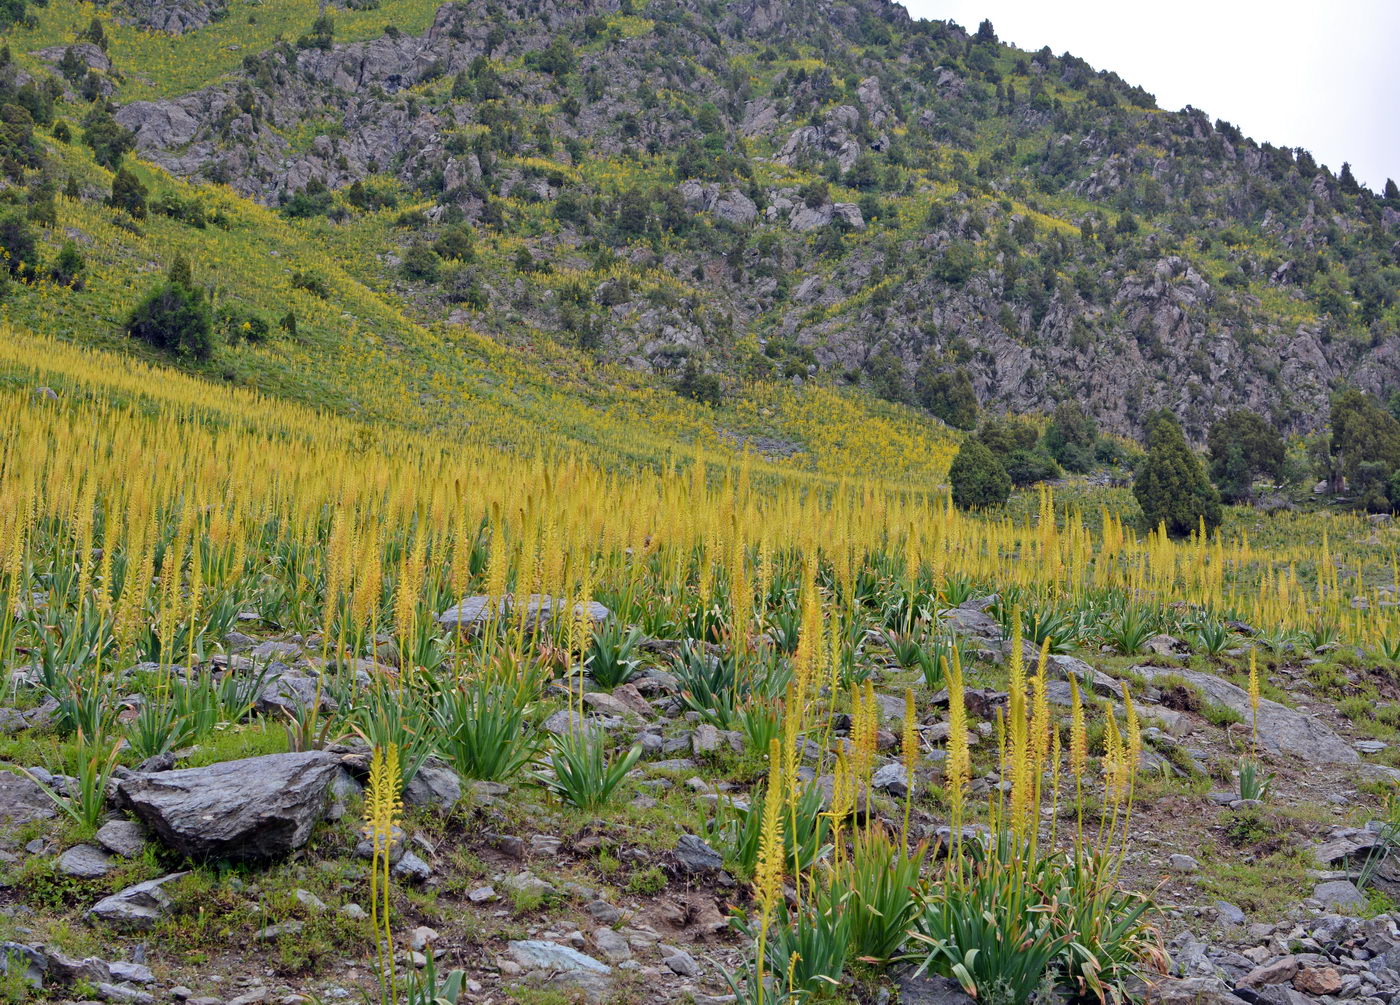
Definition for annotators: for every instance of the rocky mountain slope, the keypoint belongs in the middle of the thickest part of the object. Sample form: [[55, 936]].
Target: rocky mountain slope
[[833, 191]]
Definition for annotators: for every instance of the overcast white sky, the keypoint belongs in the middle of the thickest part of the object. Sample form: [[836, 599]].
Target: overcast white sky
[[1324, 76]]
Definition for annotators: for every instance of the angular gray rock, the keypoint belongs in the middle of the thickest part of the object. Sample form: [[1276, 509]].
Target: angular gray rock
[[612, 944], [22, 801], [287, 692], [1340, 895], [695, 856], [122, 837], [1190, 991], [252, 809], [1281, 729], [680, 962], [1228, 913], [892, 778], [435, 785], [538, 954], [85, 862], [32, 964], [139, 906], [412, 868]]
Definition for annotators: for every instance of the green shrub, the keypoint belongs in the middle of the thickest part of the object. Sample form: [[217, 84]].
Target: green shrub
[[1026, 467], [109, 140], [1071, 437], [1243, 446], [947, 394], [480, 730], [128, 194], [175, 318], [579, 771], [1171, 487], [421, 263], [977, 478], [67, 268], [18, 245]]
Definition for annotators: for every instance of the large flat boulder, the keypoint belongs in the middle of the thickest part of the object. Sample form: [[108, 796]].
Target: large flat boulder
[[475, 612], [254, 809], [1282, 730]]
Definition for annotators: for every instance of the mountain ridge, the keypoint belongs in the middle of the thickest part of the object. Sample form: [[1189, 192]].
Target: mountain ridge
[[834, 192]]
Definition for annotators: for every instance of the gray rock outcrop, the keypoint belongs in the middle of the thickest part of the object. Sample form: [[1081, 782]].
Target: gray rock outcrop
[[251, 809]]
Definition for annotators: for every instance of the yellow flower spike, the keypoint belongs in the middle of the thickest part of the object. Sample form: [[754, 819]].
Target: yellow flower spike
[[383, 807], [1254, 693], [909, 753], [1133, 739], [958, 764]]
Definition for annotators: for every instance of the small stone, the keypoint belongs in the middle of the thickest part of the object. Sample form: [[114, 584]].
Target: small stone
[[486, 793], [528, 884], [273, 932], [67, 970], [612, 945], [1340, 895], [29, 963], [435, 786], [122, 837], [412, 868], [481, 895], [892, 778], [682, 963], [544, 844], [1228, 913], [364, 848], [423, 937], [354, 912], [602, 912], [139, 906], [1318, 980], [695, 856], [85, 862], [310, 901], [1190, 991], [1183, 863], [136, 973], [122, 993], [1280, 971], [535, 954], [253, 996]]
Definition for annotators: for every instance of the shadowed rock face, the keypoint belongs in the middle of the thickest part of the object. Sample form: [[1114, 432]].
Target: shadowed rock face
[[254, 809]]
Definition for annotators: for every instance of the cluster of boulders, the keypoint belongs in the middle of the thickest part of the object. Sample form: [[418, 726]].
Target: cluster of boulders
[[1330, 958]]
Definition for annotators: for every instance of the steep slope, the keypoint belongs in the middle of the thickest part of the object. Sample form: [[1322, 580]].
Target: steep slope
[[816, 192]]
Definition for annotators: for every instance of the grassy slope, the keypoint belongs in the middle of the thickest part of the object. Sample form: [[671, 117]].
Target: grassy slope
[[357, 353]]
